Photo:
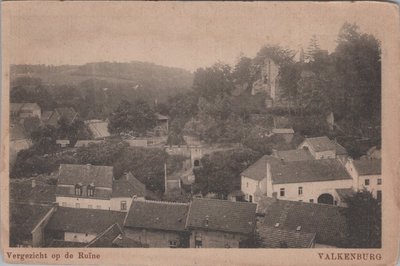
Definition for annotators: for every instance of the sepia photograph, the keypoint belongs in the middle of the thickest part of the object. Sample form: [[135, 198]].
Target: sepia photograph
[[196, 125]]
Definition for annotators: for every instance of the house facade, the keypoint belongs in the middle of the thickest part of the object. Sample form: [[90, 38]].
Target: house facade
[[24, 110], [219, 223], [157, 224]]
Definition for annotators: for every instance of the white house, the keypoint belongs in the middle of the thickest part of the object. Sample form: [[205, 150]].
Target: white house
[[302, 180], [366, 174], [93, 187], [324, 148]]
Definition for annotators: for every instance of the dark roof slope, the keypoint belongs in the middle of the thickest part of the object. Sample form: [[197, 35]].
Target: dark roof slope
[[68, 113], [308, 171], [23, 219], [157, 215], [321, 143], [106, 238], [275, 237], [258, 170], [294, 155], [84, 220], [222, 215], [128, 187], [326, 221], [66, 244], [368, 167], [22, 191], [72, 174]]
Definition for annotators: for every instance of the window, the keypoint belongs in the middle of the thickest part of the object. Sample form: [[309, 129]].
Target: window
[[250, 198], [366, 182], [173, 244], [77, 205], [64, 204], [198, 240], [90, 207], [247, 184], [300, 190], [123, 205], [78, 190], [311, 201], [90, 191], [379, 195], [379, 181], [282, 192]]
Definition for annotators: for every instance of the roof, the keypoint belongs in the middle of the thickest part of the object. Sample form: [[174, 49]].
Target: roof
[[41, 193], [340, 150], [125, 242], [91, 221], [294, 155], [368, 167], [283, 131], [46, 115], [158, 215], [99, 129], [17, 132], [161, 117], [319, 144], [66, 244], [17, 107], [273, 237], [307, 171], [106, 238], [83, 143], [68, 113], [99, 176], [128, 187], [327, 221], [344, 193], [222, 215], [258, 170], [24, 218], [264, 203], [281, 122]]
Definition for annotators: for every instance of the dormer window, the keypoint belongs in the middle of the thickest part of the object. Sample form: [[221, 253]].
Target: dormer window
[[78, 190], [90, 190]]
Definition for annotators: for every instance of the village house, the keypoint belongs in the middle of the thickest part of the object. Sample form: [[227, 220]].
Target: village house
[[27, 223], [93, 187], [78, 227], [367, 175], [161, 128], [220, 223], [296, 224], [296, 180], [20, 111], [67, 113], [157, 224], [324, 148], [98, 129]]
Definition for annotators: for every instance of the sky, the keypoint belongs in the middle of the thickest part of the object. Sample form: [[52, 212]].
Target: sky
[[178, 34]]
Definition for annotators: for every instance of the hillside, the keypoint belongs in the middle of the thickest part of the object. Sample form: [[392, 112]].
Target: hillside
[[134, 74]]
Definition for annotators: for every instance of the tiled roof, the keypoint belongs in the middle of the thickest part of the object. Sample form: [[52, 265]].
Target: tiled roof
[[72, 174], [157, 215], [106, 238], [273, 237], [84, 220], [99, 129], [321, 144], [340, 150], [326, 221], [308, 171], [24, 218], [264, 203], [343, 193], [222, 215], [66, 244], [41, 193], [294, 155], [258, 170], [368, 167], [128, 187]]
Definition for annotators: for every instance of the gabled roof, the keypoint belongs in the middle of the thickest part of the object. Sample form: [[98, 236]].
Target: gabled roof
[[99, 176], [368, 167], [319, 144], [24, 218], [326, 221], [222, 215], [340, 150], [275, 237], [91, 221], [106, 238], [307, 171], [128, 186], [344, 193], [293, 155], [157, 215], [161, 117], [46, 115], [258, 170], [67, 113], [99, 129]]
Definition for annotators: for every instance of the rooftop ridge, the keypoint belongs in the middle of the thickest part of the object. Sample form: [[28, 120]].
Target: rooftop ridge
[[236, 202], [163, 202]]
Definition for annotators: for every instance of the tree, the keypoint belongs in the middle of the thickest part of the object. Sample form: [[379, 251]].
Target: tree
[[137, 118], [364, 220], [313, 48]]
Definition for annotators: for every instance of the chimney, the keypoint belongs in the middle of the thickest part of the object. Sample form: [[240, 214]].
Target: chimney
[[33, 183]]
